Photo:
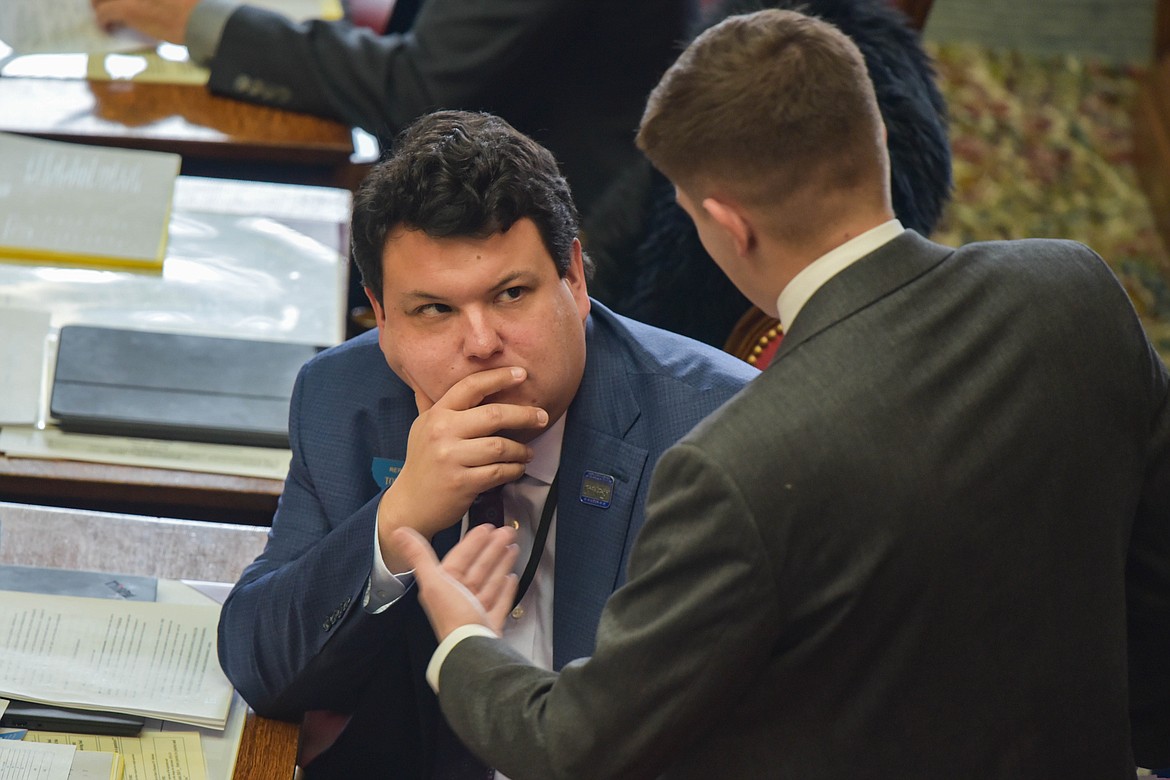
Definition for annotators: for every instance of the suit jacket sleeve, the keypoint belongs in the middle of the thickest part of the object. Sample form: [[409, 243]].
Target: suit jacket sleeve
[[1148, 592], [292, 633], [687, 634], [458, 55]]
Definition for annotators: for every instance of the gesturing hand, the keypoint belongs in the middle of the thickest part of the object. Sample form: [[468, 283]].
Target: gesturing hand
[[473, 584], [454, 452]]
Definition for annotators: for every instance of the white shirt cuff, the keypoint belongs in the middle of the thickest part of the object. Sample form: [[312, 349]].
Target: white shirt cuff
[[385, 587], [205, 28], [448, 644]]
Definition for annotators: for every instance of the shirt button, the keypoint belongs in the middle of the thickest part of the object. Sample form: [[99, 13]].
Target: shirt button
[[517, 613]]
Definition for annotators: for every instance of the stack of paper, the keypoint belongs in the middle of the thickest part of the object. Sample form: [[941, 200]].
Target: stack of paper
[[144, 658], [87, 205]]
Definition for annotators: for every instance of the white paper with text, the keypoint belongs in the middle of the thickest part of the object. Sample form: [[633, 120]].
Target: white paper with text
[[32, 761], [151, 659]]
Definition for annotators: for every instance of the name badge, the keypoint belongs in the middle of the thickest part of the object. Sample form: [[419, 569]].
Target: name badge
[[597, 489], [385, 471]]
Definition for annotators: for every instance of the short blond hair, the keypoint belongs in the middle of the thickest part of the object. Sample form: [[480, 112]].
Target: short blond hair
[[762, 103]]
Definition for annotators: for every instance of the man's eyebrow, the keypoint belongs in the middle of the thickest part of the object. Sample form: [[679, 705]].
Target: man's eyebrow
[[503, 283], [512, 277], [419, 294]]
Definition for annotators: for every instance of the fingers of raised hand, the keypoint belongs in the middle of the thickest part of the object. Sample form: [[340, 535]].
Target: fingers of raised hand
[[416, 551], [467, 439], [483, 560], [470, 391], [481, 421]]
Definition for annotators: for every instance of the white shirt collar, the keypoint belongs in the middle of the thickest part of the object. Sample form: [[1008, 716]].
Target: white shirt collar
[[546, 452], [810, 279]]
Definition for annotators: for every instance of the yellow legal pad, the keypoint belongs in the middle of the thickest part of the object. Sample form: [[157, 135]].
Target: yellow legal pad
[[63, 203], [152, 755]]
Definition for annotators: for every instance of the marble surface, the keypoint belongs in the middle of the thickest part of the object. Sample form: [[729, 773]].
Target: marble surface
[[126, 544]]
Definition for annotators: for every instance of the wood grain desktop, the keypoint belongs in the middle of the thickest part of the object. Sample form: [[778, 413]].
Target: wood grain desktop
[[217, 136]]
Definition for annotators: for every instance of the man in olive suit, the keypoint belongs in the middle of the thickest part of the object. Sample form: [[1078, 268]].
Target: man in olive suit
[[931, 540]]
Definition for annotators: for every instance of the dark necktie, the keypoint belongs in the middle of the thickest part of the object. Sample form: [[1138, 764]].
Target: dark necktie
[[488, 507]]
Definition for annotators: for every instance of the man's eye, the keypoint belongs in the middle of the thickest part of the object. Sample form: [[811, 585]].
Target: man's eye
[[512, 293], [432, 309]]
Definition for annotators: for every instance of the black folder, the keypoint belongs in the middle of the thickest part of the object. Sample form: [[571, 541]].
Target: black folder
[[50, 717], [172, 386]]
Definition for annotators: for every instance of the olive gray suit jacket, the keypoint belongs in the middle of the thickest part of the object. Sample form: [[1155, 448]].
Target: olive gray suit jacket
[[572, 74], [907, 550]]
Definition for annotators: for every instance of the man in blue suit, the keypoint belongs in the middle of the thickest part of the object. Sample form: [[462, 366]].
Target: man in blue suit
[[490, 367]]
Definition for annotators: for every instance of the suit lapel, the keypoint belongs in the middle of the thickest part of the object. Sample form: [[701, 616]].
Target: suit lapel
[[591, 540], [888, 268]]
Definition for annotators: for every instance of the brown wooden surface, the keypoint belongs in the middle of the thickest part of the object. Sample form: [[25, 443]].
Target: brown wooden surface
[[143, 491], [216, 136], [268, 749]]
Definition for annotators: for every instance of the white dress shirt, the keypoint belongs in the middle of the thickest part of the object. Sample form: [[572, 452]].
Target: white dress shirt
[[810, 279]]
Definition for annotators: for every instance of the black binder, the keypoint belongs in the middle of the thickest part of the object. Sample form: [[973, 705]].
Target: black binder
[[50, 717], [171, 386]]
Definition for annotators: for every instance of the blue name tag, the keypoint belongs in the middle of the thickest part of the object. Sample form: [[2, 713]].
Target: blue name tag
[[597, 489], [385, 471]]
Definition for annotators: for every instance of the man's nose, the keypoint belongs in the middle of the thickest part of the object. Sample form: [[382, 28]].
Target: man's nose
[[481, 338]]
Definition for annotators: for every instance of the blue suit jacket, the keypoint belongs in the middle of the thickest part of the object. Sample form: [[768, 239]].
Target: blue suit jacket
[[293, 635]]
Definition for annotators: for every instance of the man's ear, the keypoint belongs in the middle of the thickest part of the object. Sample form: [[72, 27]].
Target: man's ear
[[733, 220], [379, 312]]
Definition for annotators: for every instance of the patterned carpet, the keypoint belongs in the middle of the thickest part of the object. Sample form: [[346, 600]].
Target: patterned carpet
[[1042, 148]]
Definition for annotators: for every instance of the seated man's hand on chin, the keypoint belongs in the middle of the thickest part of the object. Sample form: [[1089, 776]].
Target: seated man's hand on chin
[[456, 451], [474, 583]]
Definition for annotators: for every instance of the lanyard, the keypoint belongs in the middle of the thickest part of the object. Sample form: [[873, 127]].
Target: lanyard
[[550, 505]]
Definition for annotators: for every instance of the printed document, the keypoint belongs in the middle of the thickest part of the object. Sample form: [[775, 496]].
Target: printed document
[[153, 755], [33, 761], [144, 658]]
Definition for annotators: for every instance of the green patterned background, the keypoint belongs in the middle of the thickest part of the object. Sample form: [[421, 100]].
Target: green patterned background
[[1042, 148]]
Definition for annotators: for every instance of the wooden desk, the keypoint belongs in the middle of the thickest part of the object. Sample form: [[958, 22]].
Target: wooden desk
[[173, 549], [268, 749], [109, 487], [216, 136]]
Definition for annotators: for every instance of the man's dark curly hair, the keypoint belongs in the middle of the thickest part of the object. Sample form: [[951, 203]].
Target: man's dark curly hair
[[461, 174]]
